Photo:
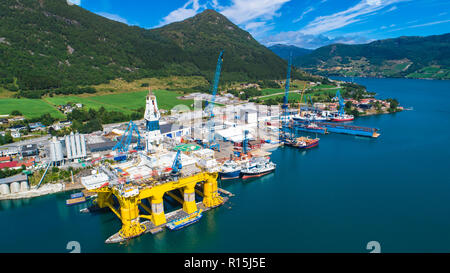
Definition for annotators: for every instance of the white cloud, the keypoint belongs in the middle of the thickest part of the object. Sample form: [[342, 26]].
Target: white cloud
[[353, 14], [243, 11], [113, 17], [74, 2], [189, 9], [308, 10]]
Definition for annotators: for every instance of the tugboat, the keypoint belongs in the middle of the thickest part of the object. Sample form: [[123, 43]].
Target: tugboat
[[230, 170], [312, 128], [185, 221], [257, 168], [306, 143]]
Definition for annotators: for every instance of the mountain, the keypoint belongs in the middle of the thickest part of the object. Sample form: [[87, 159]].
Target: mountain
[[48, 44], [410, 57], [285, 50]]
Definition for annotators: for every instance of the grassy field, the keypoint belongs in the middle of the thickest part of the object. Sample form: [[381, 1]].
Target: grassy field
[[122, 102], [28, 107]]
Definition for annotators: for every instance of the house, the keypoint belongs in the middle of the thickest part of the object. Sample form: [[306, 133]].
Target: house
[[17, 128], [15, 134], [3, 121], [37, 126]]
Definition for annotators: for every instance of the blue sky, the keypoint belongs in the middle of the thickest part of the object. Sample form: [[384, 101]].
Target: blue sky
[[304, 23]]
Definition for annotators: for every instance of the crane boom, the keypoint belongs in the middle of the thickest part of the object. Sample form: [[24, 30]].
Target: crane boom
[[215, 85], [286, 87]]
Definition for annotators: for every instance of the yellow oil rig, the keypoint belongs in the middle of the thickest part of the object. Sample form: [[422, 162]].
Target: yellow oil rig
[[148, 178]]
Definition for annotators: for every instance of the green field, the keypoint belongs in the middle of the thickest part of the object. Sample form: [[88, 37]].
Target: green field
[[271, 91], [123, 102], [297, 96], [28, 107]]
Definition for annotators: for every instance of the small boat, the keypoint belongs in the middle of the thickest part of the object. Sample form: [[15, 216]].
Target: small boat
[[74, 201], [306, 143], [342, 118], [230, 170], [312, 128], [185, 221], [257, 168], [76, 195], [310, 117]]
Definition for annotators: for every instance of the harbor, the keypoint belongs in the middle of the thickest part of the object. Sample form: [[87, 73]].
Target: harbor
[[337, 210]]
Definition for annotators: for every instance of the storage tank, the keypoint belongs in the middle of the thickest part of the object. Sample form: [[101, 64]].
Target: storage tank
[[24, 186], [56, 153], [83, 146], [4, 189], [72, 145], [68, 149], [15, 187], [78, 145]]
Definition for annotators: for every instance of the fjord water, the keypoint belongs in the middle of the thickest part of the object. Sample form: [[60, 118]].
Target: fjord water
[[334, 198]]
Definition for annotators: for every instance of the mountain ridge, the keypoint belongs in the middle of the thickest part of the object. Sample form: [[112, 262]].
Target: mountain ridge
[[48, 44], [405, 56]]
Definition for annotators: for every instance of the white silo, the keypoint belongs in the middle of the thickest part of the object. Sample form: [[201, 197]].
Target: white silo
[[56, 154], [4, 189], [78, 145], [72, 145], [15, 187], [68, 149], [83, 146], [24, 186]]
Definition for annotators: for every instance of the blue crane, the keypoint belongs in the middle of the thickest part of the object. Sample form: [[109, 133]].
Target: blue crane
[[245, 143], [125, 141], [176, 165], [210, 106], [341, 103]]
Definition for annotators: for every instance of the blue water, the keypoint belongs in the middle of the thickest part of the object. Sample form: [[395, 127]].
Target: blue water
[[334, 198]]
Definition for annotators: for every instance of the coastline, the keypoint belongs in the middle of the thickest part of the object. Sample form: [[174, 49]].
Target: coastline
[[44, 190]]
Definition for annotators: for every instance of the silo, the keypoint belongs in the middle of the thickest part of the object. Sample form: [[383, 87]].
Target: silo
[[72, 146], [78, 144], [4, 189], [83, 146], [68, 149], [56, 154], [24, 186], [15, 187]]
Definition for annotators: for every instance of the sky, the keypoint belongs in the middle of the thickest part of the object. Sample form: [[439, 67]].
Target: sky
[[303, 23]]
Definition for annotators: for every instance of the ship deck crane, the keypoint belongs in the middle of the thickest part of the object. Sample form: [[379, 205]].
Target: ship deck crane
[[210, 106], [125, 141], [176, 165]]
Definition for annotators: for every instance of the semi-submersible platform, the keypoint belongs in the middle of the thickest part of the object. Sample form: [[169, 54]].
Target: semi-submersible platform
[[133, 190]]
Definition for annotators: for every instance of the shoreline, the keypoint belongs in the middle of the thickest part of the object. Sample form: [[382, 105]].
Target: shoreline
[[45, 189]]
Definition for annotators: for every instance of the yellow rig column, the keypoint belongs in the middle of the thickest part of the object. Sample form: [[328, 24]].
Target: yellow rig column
[[211, 196], [189, 205], [129, 212], [158, 216]]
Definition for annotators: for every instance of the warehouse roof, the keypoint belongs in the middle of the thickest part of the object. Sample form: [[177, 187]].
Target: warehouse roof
[[15, 178]]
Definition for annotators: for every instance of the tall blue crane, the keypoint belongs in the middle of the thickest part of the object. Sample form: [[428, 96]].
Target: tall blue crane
[[176, 165], [245, 143], [341, 103], [285, 105], [210, 106], [125, 141]]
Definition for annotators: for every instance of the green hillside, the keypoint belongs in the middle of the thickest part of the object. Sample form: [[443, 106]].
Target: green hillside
[[411, 57], [48, 44]]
